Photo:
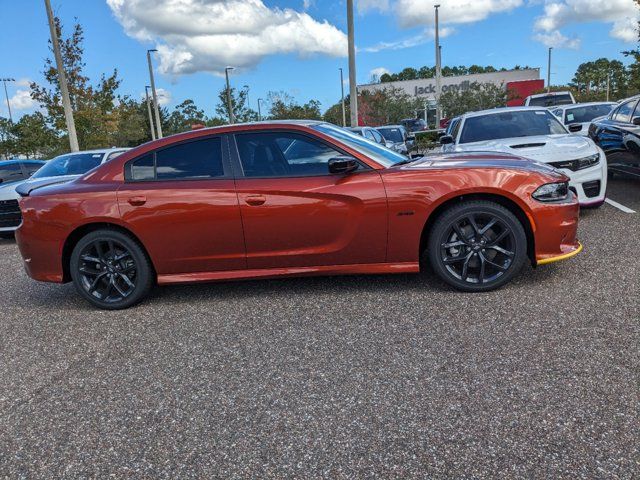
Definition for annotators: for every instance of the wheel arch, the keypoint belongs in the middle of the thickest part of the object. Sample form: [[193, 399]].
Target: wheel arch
[[74, 237], [508, 203]]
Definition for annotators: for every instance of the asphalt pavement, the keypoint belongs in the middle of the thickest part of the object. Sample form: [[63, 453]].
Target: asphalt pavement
[[343, 377]]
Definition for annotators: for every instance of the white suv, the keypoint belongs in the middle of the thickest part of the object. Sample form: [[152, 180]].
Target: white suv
[[533, 133], [61, 169]]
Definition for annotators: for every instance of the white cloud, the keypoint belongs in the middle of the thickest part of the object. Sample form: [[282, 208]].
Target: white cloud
[[21, 100], [378, 72], [427, 36], [367, 5], [207, 35], [623, 14], [412, 13], [164, 96], [556, 39]]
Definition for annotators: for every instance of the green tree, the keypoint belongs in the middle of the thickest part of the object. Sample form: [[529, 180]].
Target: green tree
[[590, 79], [184, 116], [479, 96], [334, 112], [386, 105], [284, 107], [7, 139], [239, 105], [33, 138]]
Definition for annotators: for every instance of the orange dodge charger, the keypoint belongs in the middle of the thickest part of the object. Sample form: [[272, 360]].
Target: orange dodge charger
[[280, 199]]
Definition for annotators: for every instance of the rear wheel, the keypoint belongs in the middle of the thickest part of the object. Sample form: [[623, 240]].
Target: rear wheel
[[110, 270], [477, 246]]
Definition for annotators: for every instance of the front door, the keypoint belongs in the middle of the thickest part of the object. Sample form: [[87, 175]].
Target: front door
[[296, 214], [182, 204]]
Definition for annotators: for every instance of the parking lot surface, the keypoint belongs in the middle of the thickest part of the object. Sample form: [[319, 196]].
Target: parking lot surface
[[394, 376]]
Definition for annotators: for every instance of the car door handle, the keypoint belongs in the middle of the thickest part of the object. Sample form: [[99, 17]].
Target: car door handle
[[137, 200], [255, 200]]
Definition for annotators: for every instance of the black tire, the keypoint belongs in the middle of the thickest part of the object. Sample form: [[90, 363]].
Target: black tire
[[477, 246], [111, 270]]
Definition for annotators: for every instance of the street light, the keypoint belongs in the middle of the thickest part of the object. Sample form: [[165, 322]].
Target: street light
[[153, 91], [259, 113], [229, 107], [549, 71], [353, 91], [438, 72], [4, 82], [146, 92], [344, 111]]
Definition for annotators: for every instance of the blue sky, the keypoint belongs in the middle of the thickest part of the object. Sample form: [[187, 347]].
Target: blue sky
[[303, 54]]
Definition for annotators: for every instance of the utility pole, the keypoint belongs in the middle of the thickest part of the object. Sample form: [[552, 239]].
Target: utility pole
[[62, 80], [608, 84], [229, 106], [549, 71], [259, 113], [154, 92], [344, 110], [353, 90], [4, 82], [146, 92], [438, 70]]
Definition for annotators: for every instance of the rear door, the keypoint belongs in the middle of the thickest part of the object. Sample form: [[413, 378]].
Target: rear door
[[181, 202], [618, 136], [296, 214]]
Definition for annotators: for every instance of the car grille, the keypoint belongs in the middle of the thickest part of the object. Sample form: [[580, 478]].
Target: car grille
[[10, 215], [591, 189], [577, 164]]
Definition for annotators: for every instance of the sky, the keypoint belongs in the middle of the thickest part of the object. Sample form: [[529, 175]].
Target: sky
[[298, 46]]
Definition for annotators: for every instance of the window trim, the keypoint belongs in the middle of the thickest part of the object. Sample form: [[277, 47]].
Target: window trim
[[226, 167], [238, 170]]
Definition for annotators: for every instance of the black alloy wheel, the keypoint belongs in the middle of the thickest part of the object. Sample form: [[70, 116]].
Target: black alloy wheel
[[477, 246], [110, 269]]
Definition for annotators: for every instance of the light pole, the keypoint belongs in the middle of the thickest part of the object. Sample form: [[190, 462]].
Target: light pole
[[549, 71], [608, 84], [146, 92], [344, 110], [4, 82], [353, 91], [438, 71], [154, 92], [62, 80], [259, 112], [229, 107]]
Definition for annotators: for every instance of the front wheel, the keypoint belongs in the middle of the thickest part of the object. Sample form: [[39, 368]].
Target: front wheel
[[110, 270], [477, 246]]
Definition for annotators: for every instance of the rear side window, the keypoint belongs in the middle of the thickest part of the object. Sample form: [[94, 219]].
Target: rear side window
[[623, 114], [10, 173], [200, 159], [31, 167]]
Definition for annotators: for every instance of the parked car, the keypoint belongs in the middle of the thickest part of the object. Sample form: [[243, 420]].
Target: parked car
[[228, 203], [535, 133], [414, 124], [399, 138], [550, 99], [370, 133], [618, 134], [11, 172], [582, 114], [60, 169]]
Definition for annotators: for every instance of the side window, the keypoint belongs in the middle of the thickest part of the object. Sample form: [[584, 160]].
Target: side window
[[367, 134], [11, 173], [377, 137], [114, 155], [199, 159], [31, 168], [623, 114], [283, 155]]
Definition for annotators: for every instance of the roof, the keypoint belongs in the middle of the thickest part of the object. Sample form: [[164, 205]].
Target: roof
[[501, 110], [20, 160]]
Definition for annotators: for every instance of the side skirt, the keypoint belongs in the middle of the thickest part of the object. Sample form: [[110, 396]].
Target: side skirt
[[358, 269]]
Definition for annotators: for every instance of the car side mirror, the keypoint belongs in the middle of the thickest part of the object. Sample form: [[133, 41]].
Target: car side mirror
[[340, 165], [636, 120], [575, 127], [446, 140]]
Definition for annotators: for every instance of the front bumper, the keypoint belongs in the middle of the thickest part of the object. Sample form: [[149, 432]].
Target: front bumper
[[590, 184], [555, 227]]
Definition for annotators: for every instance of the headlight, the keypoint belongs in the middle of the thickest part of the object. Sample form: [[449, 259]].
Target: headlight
[[578, 164], [551, 192]]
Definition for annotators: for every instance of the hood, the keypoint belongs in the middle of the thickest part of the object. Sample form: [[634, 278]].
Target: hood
[[542, 148], [25, 188], [480, 160]]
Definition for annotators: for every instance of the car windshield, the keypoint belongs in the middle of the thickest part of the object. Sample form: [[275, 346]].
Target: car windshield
[[550, 100], [70, 164], [586, 113], [382, 155], [522, 123], [392, 134]]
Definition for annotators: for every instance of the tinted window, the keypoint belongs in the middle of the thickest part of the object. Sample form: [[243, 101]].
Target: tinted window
[[368, 134], [392, 134], [10, 173], [283, 154], [71, 164], [193, 160], [523, 123], [586, 113], [377, 137], [623, 114], [550, 100], [31, 167]]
